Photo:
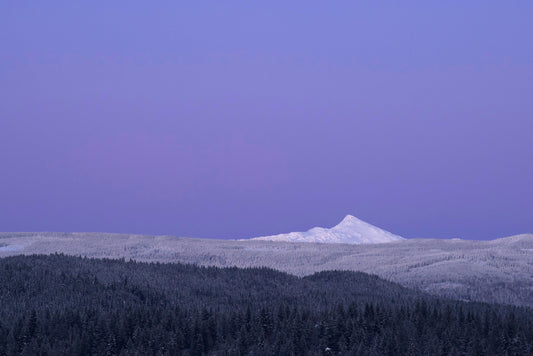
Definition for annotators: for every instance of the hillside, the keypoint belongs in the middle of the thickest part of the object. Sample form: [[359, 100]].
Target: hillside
[[494, 271], [60, 305]]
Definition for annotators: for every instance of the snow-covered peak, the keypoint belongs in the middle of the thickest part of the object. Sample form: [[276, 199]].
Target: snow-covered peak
[[348, 220], [350, 230]]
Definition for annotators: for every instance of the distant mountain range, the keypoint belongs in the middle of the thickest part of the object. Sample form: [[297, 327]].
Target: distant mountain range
[[350, 230]]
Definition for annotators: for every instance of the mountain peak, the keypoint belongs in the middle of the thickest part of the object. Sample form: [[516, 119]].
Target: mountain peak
[[349, 220], [350, 230]]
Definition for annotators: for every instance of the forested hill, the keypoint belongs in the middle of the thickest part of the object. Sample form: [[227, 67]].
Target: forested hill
[[70, 305], [498, 271]]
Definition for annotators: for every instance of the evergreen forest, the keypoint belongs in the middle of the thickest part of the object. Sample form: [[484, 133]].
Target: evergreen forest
[[65, 305]]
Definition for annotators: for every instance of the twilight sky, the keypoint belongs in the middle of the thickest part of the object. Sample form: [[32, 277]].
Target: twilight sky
[[239, 119]]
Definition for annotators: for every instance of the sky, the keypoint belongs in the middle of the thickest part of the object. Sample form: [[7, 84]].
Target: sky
[[243, 118]]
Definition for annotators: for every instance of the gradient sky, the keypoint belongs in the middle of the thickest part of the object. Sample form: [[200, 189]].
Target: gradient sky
[[238, 119]]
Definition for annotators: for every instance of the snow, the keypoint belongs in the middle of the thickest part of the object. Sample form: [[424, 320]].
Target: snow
[[11, 248], [496, 271], [350, 230]]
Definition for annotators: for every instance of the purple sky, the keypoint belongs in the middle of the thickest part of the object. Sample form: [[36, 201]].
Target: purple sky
[[251, 118]]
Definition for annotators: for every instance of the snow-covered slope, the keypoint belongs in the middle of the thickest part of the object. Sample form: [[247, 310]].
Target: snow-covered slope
[[350, 230], [497, 271]]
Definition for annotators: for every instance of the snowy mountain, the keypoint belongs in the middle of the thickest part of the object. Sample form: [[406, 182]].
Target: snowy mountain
[[350, 230]]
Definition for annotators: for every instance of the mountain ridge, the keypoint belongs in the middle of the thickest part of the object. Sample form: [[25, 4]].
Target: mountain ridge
[[350, 230]]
